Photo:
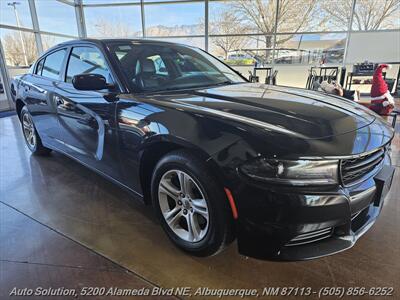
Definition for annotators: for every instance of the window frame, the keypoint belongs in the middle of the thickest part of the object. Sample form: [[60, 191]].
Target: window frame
[[36, 68], [136, 43], [115, 81], [44, 57]]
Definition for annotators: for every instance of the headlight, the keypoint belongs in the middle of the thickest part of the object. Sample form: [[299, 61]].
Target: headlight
[[292, 172]]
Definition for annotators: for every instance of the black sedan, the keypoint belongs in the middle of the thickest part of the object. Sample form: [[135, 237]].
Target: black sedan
[[291, 174]]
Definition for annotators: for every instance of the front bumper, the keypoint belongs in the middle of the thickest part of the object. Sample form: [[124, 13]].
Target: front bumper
[[283, 224]]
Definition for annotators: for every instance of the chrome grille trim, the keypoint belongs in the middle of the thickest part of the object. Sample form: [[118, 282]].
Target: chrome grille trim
[[356, 215], [311, 237], [353, 170], [363, 194]]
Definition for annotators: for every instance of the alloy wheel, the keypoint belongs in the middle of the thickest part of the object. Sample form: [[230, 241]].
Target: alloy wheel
[[29, 130], [183, 206]]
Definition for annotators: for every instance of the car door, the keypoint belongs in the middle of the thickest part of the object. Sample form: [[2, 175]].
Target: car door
[[38, 90], [87, 117], [133, 117]]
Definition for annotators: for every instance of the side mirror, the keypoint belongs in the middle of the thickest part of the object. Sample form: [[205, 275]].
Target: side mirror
[[89, 82]]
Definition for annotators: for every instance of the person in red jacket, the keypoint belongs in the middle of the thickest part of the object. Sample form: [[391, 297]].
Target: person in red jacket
[[382, 101]]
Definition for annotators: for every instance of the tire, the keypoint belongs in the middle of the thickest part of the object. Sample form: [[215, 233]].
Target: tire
[[202, 196], [31, 137]]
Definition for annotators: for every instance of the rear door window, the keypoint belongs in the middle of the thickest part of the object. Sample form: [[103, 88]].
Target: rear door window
[[53, 64]]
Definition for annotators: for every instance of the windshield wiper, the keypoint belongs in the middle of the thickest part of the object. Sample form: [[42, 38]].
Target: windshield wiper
[[227, 82]]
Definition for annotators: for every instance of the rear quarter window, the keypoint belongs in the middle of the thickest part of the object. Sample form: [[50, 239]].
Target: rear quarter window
[[39, 67]]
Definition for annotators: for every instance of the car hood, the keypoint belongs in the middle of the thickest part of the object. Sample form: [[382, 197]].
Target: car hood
[[273, 121], [301, 113]]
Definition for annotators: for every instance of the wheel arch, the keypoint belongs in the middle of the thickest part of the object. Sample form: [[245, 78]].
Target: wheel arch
[[156, 149], [19, 104], [13, 90]]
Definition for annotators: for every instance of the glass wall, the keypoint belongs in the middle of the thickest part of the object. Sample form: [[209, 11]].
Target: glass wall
[[305, 32], [19, 47], [174, 19], [23, 40], [49, 40], [16, 14], [56, 17], [376, 15], [25, 35], [114, 21], [290, 35], [241, 32]]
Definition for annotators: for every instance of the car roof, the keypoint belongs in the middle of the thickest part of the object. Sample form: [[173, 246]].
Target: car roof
[[106, 41], [102, 42]]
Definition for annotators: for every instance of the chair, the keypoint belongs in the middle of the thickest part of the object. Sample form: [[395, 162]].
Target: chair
[[271, 79], [147, 78], [394, 115]]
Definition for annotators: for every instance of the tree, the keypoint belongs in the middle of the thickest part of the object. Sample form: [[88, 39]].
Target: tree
[[258, 16], [14, 54], [368, 15], [165, 31], [228, 23], [112, 29]]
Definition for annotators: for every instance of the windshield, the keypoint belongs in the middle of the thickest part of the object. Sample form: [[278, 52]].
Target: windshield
[[151, 67]]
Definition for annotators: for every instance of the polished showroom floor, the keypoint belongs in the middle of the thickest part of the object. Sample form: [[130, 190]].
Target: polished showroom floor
[[63, 225]]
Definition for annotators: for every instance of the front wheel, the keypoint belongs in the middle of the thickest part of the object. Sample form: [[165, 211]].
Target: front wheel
[[32, 139], [191, 206]]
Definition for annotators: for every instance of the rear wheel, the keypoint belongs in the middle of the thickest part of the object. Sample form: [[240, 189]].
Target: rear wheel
[[31, 136], [190, 204]]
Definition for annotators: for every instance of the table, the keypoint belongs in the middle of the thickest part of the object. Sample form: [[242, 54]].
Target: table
[[351, 75]]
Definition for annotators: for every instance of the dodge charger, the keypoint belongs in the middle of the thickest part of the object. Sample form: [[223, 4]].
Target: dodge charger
[[291, 174]]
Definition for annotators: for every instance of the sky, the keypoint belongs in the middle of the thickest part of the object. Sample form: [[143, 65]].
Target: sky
[[166, 15], [171, 15]]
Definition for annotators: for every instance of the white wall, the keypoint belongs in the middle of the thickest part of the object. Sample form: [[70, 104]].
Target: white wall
[[289, 75], [374, 46]]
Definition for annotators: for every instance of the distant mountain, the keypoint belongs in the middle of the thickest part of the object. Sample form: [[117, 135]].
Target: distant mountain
[[107, 28], [178, 30]]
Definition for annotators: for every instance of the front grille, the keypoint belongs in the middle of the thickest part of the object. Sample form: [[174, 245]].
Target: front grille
[[310, 237], [354, 169]]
